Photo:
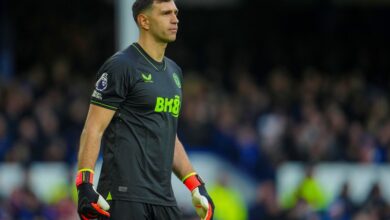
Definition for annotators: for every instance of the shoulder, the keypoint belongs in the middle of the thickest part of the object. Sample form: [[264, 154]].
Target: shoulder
[[127, 57], [119, 63], [119, 59], [115, 67]]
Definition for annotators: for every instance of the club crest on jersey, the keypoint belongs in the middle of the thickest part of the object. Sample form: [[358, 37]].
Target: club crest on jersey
[[177, 80], [102, 83]]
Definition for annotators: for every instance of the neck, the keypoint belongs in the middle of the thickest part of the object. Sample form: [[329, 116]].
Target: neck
[[154, 49]]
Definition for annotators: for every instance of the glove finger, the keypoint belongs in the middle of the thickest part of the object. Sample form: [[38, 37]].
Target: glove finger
[[196, 196], [209, 215], [87, 211], [204, 203], [100, 210], [82, 217], [103, 203]]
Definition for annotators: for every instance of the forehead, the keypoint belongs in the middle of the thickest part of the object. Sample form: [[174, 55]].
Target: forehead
[[163, 5]]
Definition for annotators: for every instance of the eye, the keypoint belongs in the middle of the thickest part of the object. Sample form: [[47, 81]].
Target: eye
[[166, 12]]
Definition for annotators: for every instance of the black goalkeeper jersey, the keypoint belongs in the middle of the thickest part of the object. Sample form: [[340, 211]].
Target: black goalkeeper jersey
[[138, 144]]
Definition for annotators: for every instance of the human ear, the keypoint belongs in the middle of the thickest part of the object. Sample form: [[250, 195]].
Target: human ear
[[143, 21]]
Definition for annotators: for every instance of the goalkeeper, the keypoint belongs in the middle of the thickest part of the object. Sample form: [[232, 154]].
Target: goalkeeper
[[133, 115]]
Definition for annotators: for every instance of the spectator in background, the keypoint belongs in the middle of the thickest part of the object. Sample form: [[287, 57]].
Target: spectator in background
[[20, 152], [272, 128], [196, 121], [342, 208], [4, 210], [25, 205], [74, 116], [63, 198], [336, 122], [313, 139], [307, 193], [28, 132], [55, 151], [250, 100], [355, 133], [224, 135], [18, 104], [375, 204], [248, 148], [302, 211], [378, 113], [37, 79], [5, 139], [231, 205], [266, 205], [47, 119], [384, 141], [367, 149], [280, 89]]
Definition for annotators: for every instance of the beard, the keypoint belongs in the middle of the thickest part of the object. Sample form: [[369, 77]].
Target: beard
[[165, 37]]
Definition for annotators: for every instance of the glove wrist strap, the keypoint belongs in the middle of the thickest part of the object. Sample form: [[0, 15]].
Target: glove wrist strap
[[192, 181], [84, 176]]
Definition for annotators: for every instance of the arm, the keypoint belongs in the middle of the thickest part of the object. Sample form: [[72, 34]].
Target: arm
[[97, 121], [181, 164], [91, 205], [183, 169]]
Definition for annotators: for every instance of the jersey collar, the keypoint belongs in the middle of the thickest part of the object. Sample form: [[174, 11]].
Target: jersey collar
[[156, 65]]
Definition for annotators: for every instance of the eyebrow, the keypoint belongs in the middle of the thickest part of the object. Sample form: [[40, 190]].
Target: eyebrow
[[176, 11]]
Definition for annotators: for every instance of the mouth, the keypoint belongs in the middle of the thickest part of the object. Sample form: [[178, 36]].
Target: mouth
[[174, 30]]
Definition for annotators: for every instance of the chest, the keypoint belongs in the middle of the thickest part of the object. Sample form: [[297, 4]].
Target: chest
[[155, 90]]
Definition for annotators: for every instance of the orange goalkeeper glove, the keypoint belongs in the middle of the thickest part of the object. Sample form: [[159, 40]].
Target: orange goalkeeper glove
[[201, 200], [91, 204]]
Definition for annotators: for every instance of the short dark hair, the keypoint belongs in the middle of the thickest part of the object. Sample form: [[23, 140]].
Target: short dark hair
[[140, 5]]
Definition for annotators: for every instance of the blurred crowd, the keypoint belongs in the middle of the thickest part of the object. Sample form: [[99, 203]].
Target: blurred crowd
[[41, 118], [310, 119], [255, 125], [23, 204], [284, 93]]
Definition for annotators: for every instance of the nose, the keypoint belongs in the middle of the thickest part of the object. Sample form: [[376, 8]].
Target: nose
[[175, 20]]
